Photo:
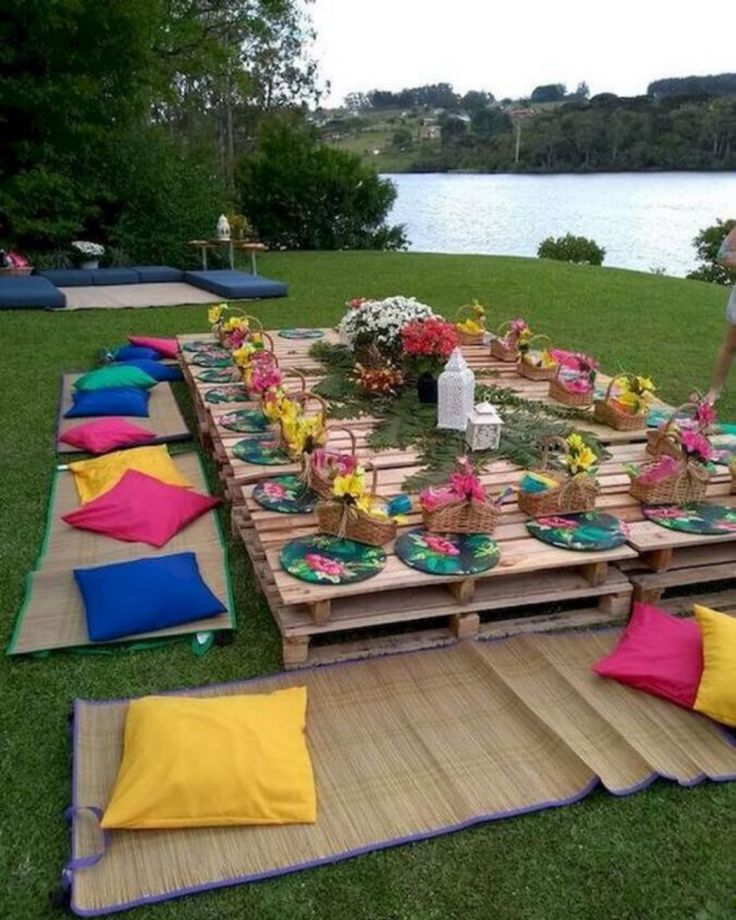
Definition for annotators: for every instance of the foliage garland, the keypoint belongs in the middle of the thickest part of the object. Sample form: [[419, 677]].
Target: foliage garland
[[404, 422]]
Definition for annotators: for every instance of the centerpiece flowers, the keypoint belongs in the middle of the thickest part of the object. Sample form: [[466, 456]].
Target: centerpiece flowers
[[566, 486], [356, 511], [695, 415], [626, 402], [426, 345], [379, 323], [462, 505], [674, 480], [324, 466], [574, 381], [504, 345], [470, 323], [88, 253]]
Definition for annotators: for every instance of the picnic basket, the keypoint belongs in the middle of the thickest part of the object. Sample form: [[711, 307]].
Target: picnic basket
[[687, 484], [465, 338], [607, 412], [663, 440], [501, 348], [462, 516], [559, 392], [345, 520], [315, 478], [571, 493], [532, 371]]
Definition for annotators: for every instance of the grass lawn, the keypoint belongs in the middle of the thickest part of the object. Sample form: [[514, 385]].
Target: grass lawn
[[664, 854]]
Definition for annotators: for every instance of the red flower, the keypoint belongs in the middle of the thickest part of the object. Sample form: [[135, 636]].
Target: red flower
[[440, 545], [432, 338]]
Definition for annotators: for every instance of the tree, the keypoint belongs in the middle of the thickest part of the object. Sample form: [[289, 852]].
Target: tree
[[550, 92], [357, 102], [707, 243], [582, 91], [476, 101], [300, 194], [401, 137], [569, 248]]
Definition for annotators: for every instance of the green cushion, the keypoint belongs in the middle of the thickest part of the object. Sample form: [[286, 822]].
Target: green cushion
[[119, 375]]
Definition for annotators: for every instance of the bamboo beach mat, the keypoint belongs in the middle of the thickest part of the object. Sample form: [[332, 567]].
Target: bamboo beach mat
[[404, 748], [164, 418], [52, 615]]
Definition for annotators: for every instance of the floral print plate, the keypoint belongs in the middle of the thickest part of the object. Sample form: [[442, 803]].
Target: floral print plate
[[261, 451], [285, 494], [587, 531], [326, 560], [208, 359], [448, 554], [218, 375], [696, 517], [234, 393], [244, 420], [300, 333]]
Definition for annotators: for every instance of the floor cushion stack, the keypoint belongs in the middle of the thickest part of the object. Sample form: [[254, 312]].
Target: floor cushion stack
[[34, 292], [235, 285]]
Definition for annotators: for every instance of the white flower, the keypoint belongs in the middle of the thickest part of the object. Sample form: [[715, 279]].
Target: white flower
[[91, 250], [382, 320]]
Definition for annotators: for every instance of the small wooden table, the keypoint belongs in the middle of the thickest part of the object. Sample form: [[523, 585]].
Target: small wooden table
[[239, 245]]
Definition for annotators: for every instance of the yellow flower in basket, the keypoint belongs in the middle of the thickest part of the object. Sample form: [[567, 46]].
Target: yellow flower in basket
[[303, 432], [349, 485], [580, 458], [546, 359], [214, 314], [233, 323], [470, 327]]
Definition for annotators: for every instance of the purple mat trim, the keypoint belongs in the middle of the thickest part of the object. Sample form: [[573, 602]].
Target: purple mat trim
[[68, 874]]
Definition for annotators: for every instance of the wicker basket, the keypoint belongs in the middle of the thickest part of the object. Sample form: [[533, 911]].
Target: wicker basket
[[560, 393], [244, 370], [606, 412], [467, 312], [532, 371], [663, 440], [14, 272], [501, 348], [467, 516], [571, 494], [314, 478], [346, 521], [688, 484], [236, 311]]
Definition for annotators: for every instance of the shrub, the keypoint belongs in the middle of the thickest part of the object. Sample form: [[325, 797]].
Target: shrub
[[571, 248], [302, 195], [707, 244]]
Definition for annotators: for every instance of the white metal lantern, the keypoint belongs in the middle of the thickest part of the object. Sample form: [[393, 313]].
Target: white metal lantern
[[223, 228], [455, 393], [483, 431]]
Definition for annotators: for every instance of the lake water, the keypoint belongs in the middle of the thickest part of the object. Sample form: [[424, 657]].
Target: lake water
[[643, 220]]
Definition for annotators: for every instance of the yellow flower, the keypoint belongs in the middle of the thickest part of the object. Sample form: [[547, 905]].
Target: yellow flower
[[214, 314], [575, 442], [470, 327], [349, 484], [479, 309], [241, 356], [234, 322], [645, 385], [546, 359], [586, 458], [302, 431], [630, 400]]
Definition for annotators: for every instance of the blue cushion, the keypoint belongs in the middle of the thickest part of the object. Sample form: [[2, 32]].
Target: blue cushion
[[115, 276], [155, 369], [143, 595], [234, 285], [135, 353], [130, 401], [29, 291], [68, 277], [158, 273]]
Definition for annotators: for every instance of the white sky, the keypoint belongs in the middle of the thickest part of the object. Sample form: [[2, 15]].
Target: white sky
[[509, 48]]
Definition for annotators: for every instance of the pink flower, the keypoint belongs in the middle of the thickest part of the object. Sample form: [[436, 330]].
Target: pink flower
[[330, 461], [274, 489], [466, 483], [696, 445], [436, 497], [705, 414], [324, 565], [578, 385], [265, 377], [558, 523], [440, 545]]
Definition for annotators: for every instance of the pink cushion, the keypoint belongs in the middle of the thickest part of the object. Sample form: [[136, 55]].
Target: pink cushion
[[169, 348], [106, 434], [657, 653], [141, 509]]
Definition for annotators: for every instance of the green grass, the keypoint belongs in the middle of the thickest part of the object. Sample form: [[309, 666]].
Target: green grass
[[664, 854]]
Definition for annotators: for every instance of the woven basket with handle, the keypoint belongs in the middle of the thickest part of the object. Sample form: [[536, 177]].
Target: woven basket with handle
[[532, 371], [464, 516], [315, 478], [664, 440], [344, 520], [241, 314], [607, 412], [467, 312], [560, 393], [501, 348], [571, 494], [688, 484]]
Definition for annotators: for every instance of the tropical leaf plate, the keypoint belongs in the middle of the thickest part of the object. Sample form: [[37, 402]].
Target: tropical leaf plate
[[218, 375], [326, 560], [587, 531], [447, 554], [244, 420], [234, 393], [260, 450], [695, 517], [285, 494], [300, 333]]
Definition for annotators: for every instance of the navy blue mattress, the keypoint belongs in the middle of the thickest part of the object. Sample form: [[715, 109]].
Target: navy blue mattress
[[17, 293], [233, 285]]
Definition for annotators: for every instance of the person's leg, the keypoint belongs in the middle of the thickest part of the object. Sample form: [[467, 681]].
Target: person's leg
[[726, 355]]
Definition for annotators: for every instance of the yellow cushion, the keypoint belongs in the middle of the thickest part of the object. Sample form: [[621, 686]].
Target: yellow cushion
[[716, 695], [95, 477], [226, 760]]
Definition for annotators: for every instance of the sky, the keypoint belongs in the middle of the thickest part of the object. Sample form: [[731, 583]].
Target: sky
[[509, 48]]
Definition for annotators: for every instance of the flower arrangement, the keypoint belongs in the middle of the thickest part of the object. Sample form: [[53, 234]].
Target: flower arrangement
[[625, 404], [215, 314], [504, 345], [427, 343], [579, 457], [462, 505], [323, 466], [574, 380], [301, 434], [276, 405], [667, 438], [246, 351], [88, 250], [470, 323], [535, 363], [634, 394], [263, 375], [674, 478], [234, 331], [356, 512], [378, 381], [572, 487], [381, 322]]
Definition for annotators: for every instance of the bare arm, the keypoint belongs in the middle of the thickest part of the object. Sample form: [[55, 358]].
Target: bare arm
[[727, 252]]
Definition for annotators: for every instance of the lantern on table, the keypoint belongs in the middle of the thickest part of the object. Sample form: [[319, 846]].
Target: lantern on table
[[223, 228], [483, 429], [455, 393]]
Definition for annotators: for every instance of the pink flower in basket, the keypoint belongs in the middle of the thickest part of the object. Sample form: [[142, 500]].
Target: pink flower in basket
[[705, 414], [324, 565], [465, 482], [516, 328], [696, 445], [578, 385], [559, 523], [332, 460], [274, 489], [265, 377], [436, 497], [440, 545]]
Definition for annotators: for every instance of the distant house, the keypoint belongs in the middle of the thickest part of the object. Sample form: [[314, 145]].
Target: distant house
[[429, 130]]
